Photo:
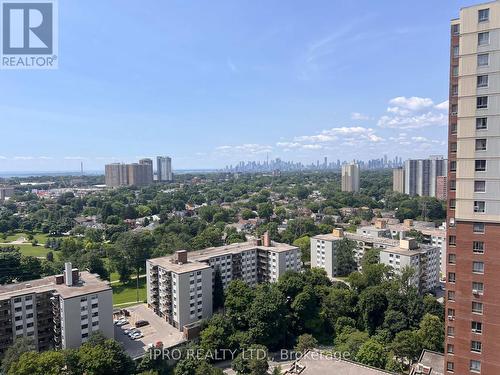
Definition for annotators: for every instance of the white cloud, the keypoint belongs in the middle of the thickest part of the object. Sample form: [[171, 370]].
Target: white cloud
[[75, 158], [413, 113], [359, 116], [24, 157]]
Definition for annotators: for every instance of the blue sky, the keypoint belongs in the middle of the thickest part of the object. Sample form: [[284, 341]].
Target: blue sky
[[214, 82]]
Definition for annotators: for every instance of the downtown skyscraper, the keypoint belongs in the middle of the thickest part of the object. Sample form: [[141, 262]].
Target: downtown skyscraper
[[473, 263]]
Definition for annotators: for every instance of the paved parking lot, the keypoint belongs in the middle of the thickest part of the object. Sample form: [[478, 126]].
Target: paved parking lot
[[157, 330]]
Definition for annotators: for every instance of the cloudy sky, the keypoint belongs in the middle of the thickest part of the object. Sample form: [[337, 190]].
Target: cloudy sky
[[212, 83]]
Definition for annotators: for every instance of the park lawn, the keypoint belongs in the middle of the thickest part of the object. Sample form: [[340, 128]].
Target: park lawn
[[126, 293], [40, 237], [34, 251]]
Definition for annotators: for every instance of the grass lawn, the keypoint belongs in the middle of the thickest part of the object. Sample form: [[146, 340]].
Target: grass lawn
[[35, 251], [41, 237], [126, 293]]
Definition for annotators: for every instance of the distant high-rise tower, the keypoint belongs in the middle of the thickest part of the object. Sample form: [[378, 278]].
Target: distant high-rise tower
[[164, 168], [350, 177], [136, 174], [421, 175], [398, 180], [473, 266]]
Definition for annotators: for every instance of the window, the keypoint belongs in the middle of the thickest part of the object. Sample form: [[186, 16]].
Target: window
[[482, 59], [85, 326], [481, 144], [482, 81], [453, 185], [451, 277], [452, 240], [453, 128], [479, 207], [453, 147], [483, 38], [450, 331], [478, 267], [455, 29], [477, 307], [479, 186], [454, 70], [454, 109], [451, 295], [483, 15], [475, 365], [453, 165], [480, 165], [450, 349], [475, 346], [478, 228], [482, 102], [17, 300], [477, 287], [481, 123], [450, 366], [478, 247], [452, 259], [455, 51], [85, 335], [451, 313], [477, 327], [454, 90]]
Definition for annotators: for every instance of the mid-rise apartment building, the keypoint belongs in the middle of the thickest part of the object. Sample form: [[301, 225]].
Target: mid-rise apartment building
[[421, 175], [57, 312], [6, 192], [135, 174], [350, 177], [164, 168], [473, 267], [180, 287]]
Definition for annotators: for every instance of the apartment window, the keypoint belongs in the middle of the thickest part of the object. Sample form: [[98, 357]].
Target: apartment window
[[479, 186], [453, 147], [453, 185], [85, 335], [483, 15], [84, 317], [479, 207], [477, 327], [85, 326], [478, 247], [452, 240], [453, 128], [477, 307], [451, 313], [451, 277], [480, 165], [28, 298], [482, 102], [475, 346], [451, 295], [454, 109], [95, 305], [478, 267], [450, 349], [454, 71], [477, 287], [481, 123], [450, 366], [454, 90], [482, 59], [453, 166], [450, 331], [475, 366], [452, 258], [481, 144], [482, 81], [83, 299], [478, 227], [455, 29], [483, 38]]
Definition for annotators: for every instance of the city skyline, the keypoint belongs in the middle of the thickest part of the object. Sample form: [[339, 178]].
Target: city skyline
[[295, 88]]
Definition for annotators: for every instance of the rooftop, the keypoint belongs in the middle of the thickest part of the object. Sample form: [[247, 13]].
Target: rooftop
[[433, 361], [358, 237], [89, 283]]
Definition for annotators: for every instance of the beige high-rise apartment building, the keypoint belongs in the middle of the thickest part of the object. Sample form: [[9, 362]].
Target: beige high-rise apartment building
[[350, 177], [473, 267], [135, 174], [398, 180]]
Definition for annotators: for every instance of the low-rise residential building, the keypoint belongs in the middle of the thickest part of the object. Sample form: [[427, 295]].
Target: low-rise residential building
[[180, 287], [424, 259], [57, 312], [6, 192]]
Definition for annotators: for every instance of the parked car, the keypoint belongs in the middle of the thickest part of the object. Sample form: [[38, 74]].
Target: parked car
[[128, 331], [121, 322], [136, 336], [133, 331], [141, 323]]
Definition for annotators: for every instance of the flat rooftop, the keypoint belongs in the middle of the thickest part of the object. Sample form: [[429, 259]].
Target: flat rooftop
[[432, 360], [88, 283], [358, 237], [197, 258], [422, 249]]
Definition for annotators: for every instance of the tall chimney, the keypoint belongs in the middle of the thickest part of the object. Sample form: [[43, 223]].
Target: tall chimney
[[68, 273], [266, 239]]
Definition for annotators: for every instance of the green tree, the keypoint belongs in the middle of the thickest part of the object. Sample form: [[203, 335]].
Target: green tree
[[20, 346], [265, 210], [33, 363], [372, 305], [431, 333], [305, 342], [345, 257], [372, 353], [253, 361], [406, 346], [304, 244], [350, 340], [237, 301]]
